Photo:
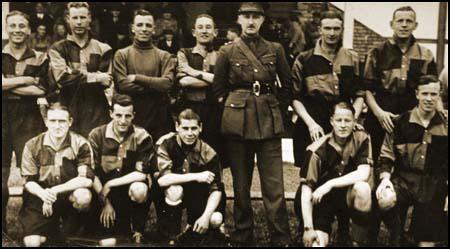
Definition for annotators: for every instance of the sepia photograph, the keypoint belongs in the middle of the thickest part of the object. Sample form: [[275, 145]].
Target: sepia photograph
[[224, 124]]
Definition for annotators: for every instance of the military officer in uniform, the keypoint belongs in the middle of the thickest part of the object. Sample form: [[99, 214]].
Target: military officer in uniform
[[245, 81]]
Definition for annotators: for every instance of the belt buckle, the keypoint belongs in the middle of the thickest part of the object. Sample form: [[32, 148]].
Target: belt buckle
[[256, 88]]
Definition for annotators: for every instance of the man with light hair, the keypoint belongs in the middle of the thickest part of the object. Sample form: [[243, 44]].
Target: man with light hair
[[335, 180], [391, 73], [413, 168], [81, 67], [24, 79], [57, 166]]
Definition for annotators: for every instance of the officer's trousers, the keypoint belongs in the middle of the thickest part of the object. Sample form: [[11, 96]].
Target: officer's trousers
[[270, 168]]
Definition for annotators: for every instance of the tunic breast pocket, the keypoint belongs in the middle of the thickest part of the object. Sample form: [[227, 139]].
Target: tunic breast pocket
[[269, 61], [237, 70]]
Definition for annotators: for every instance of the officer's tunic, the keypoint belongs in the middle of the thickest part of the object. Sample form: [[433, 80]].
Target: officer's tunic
[[253, 125]]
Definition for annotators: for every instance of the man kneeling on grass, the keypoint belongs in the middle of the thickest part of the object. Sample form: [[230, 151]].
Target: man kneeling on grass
[[190, 172], [57, 167], [336, 180], [123, 155]]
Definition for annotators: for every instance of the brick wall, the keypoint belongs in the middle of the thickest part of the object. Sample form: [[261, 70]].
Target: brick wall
[[364, 39]]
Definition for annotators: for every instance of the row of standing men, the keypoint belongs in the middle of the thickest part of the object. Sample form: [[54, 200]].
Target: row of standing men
[[242, 91]]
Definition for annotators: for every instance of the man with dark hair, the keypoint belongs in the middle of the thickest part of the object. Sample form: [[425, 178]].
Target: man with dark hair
[[57, 166], [391, 74], [233, 33], [24, 79], [322, 77], [123, 155], [413, 168], [189, 170], [335, 180], [245, 80], [146, 74], [40, 17], [81, 67]]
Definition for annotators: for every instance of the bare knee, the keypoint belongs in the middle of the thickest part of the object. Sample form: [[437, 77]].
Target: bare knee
[[363, 196], [34, 240], [138, 192], [387, 199], [82, 198], [174, 195], [216, 220]]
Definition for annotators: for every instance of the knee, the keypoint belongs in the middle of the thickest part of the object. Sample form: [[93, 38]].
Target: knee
[[138, 192], [82, 198], [174, 195], [34, 240], [363, 196], [216, 220]]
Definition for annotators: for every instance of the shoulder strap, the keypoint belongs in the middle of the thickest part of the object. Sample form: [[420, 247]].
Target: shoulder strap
[[250, 56]]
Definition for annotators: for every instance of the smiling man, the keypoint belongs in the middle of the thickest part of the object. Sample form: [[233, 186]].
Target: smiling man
[[335, 180], [414, 163], [189, 170], [196, 75], [390, 76], [24, 79], [146, 73], [123, 155]]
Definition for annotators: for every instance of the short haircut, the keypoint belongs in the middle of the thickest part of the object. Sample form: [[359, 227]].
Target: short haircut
[[426, 79], [78, 5], [235, 28], [404, 8], [331, 14], [58, 106], [343, 105], [122, 100], [188, 114], [141, 12], [207, 16], [18, 13]]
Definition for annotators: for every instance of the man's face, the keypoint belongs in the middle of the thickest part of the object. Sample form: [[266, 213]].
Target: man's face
[[142, 28], [250, 22], [204, 30], [79, 20], [428, 96], [58, 123], [404, 24], [39, 8], [331, 30], [122, 118], [61, 30], [189, 130], [41, 30], [343, 122], [18, 29]]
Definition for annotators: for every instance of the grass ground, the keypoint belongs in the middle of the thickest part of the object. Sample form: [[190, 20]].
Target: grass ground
[[261, 231]]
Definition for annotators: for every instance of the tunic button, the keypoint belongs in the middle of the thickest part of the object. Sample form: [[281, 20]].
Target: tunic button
[[422, 156], [403, 66], [255, 70], [336, 87], [342, 162], [118, 170], [184, 170], [403, 78], [119, 158], [424, 142], [237, 64]]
